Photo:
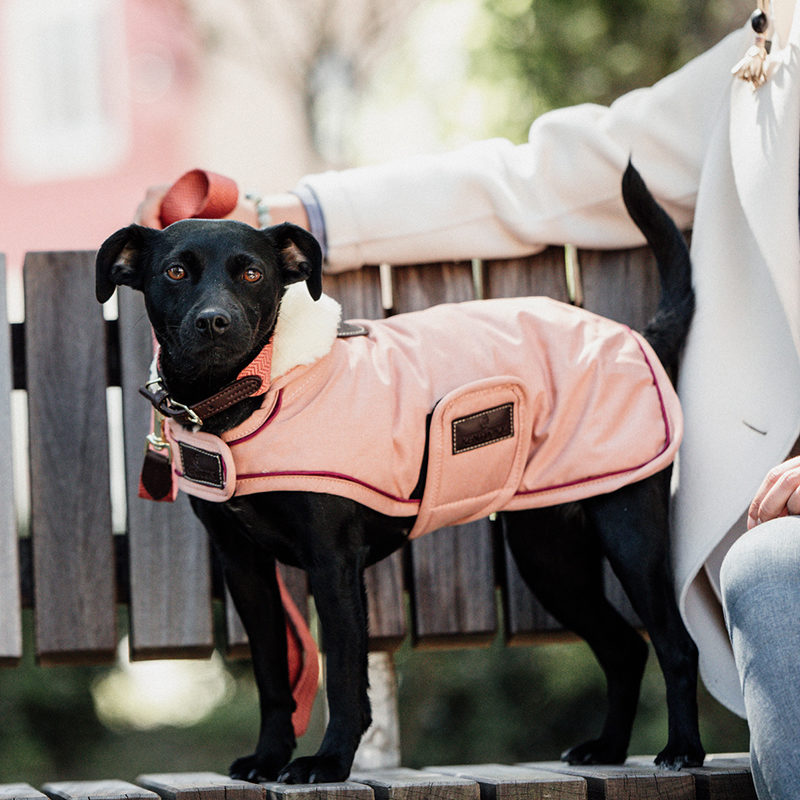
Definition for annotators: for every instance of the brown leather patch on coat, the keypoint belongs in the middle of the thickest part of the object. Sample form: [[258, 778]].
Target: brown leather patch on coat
[[202, 466], [483, 428]]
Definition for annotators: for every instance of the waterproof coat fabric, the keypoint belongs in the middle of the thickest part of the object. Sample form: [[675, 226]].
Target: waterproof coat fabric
[[723, 160], [532, 402]]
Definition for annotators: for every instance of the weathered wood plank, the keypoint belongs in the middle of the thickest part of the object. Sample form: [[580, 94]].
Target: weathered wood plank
[[542, 274], [20, 791], [10, 604], [71, 510], [416, 287], [622, 285], [170, 572], [359, 292], [722, 777], [628, 781], [386, 603], [97, 790], [200, 786], [505, 782], [525, 619], [346, 790], [411, 784], [452, 592]]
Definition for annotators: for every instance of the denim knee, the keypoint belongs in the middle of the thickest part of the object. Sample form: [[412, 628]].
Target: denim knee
[[761, 565]]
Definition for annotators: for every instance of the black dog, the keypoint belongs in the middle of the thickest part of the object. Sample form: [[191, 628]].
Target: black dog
[[213, 292]]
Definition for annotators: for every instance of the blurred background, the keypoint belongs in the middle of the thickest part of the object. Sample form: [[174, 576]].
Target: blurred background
[[101, 98]]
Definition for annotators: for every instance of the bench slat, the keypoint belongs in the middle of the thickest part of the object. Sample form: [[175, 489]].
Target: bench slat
[[402, 783], [346, 790], [20, 791], [200, 786], [417, 287], [627, 781], [722, 777], [453, 583], [97, 790], [10, 603], [452, 597], [525, 618], [71, 511], [387, 617], [543, 274], [170, 573], [622, 285], [505, 782], [359, 293]]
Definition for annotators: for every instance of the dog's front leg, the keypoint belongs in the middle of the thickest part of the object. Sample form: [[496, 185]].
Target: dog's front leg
[[338, 587], [249, 572]]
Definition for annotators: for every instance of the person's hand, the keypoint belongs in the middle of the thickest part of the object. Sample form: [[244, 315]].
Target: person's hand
[[150, 208], [778, 495]]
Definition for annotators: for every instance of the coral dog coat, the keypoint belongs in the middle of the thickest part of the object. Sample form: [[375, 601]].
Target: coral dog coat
[[446, 414]]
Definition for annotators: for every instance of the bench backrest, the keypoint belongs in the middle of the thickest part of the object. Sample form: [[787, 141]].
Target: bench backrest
[[74, 568]]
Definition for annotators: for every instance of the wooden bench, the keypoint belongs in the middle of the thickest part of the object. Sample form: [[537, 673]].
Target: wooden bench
[[86, 549]]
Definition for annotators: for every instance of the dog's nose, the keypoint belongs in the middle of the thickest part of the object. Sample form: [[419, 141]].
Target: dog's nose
[[212, 321]]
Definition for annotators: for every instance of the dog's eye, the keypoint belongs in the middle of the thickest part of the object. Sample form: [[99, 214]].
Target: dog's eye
[[176, 272], [252, 275]]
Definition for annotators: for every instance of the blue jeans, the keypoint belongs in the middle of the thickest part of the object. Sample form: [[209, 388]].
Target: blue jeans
[[760, 581]]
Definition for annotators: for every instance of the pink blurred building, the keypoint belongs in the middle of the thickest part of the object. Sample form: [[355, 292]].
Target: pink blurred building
[[95, 99]]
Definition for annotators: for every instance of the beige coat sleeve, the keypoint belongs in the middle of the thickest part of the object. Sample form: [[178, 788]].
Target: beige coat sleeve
[[496, 199]]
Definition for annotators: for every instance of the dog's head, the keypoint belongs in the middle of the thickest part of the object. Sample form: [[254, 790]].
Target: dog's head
[[212, 288]]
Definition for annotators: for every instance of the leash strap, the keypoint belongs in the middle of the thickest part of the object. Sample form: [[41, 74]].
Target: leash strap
[[207, 195]]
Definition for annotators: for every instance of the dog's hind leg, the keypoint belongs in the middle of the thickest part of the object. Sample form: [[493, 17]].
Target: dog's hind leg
[[559, 557], [634, 529]]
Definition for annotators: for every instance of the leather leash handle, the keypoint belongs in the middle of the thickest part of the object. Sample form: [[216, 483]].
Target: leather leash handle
[[200, 194]]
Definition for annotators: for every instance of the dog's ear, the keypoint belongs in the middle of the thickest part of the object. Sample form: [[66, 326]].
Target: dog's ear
[[121, 258], [301, 256]]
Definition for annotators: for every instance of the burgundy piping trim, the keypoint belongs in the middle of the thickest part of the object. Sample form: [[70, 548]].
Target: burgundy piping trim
[[667, 442], [336, 475]]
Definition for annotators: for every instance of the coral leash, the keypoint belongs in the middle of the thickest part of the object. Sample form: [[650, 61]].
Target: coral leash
[[207, 195]]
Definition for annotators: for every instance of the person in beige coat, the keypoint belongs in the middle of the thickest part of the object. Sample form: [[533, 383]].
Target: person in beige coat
[[721, 154]]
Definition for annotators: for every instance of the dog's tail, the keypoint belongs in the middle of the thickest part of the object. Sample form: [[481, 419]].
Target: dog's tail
[[667, 329]]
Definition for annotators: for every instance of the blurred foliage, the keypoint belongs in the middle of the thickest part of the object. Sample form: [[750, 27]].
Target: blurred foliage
[[512, 704], [49, 729], [552, 53], [497, 703]]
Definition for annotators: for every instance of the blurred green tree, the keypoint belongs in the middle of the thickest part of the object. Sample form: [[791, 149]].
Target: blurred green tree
[[553, 53]]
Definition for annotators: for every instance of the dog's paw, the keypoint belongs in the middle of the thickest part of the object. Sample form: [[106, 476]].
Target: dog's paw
[[674, 758], [595, 751], [254, 769], [315, 769]]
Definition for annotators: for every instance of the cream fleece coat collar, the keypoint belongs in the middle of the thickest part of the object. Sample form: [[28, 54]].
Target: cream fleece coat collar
[[305, 330]]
